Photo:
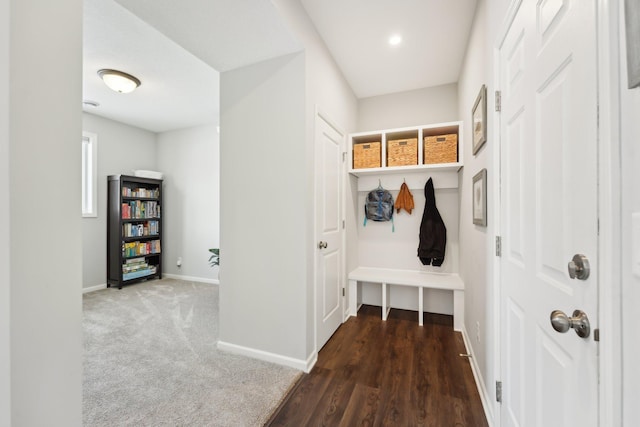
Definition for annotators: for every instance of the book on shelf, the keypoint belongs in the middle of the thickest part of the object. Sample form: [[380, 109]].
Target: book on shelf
[[137, 209], [132, 249], [150, 270], [149, 193], [147, 228]]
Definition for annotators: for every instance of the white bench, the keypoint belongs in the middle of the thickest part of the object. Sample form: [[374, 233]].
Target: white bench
[[419, 279]]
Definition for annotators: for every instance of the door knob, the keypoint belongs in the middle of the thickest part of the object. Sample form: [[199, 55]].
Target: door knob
[[322, 245], [579, 322], [579, 267]]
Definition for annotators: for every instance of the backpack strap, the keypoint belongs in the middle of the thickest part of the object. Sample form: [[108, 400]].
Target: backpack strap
[[365, 215]]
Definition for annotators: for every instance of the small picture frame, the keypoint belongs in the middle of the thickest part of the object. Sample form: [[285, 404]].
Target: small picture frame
[[479, 202], [479, 120], [632, 26]]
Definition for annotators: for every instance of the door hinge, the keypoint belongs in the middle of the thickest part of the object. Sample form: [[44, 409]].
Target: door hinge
[[498, 246], [498, 101], [344, 156], [499, 391], [344, 225], [596, 335], [343, 294]]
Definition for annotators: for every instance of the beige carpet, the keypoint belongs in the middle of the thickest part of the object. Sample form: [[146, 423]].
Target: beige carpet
[[151, 360]]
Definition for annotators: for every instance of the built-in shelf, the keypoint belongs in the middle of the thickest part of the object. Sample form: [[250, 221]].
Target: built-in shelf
[[444, 167], [384, 253], [418, 133], [445, 174]]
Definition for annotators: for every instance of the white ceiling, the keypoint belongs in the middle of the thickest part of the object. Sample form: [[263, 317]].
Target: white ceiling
[[226, 34], [178, 90], [434, 33], [175, 48]]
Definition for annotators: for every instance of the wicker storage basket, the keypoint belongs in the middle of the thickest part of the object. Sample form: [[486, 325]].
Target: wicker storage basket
[[402, 152], [366, 155], [441, 149]]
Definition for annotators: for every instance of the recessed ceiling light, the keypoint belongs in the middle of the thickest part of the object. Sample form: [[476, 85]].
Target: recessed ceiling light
[[119, 81], [395, 39], [90, 103]]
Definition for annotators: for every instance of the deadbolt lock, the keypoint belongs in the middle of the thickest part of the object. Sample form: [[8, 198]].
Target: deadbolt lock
[[579, 267]]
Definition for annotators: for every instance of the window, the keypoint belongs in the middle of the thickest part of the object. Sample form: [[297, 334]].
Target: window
[[89, 174]]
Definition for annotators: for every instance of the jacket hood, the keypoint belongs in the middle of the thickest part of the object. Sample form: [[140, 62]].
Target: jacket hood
[[429, 194]]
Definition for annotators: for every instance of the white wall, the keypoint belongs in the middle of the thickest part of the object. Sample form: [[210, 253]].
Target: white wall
[[190, 161], [476, 243], [121, 149], [630, 251], [45, 245], [282, 306], [403, 109], [5, 253], [327, 90], [263, 210], [630, 174]]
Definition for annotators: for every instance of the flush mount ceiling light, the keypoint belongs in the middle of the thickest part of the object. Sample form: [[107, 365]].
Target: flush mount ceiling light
[[119, 81], [395, 40]]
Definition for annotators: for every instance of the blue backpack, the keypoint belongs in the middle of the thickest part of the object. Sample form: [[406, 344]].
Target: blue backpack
[[379, 206]]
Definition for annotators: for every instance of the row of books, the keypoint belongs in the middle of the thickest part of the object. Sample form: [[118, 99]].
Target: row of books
[[147, 270], [132, 249], [135, 264], [139, 209], [141, 192], [148, 228]]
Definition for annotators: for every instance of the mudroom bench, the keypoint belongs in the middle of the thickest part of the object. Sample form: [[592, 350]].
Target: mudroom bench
[[419, 279]]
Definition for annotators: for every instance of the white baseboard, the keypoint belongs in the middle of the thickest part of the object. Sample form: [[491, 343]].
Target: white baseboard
[[482, 388], [311, 362], [94, 288], [191, 278], [302, 365]]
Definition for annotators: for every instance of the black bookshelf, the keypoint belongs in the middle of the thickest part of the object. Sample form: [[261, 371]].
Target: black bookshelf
[[134, 229]]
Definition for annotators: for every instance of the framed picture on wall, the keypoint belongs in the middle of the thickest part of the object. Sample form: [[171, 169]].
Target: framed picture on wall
[[632, 26], [479, 194], [479, 120]]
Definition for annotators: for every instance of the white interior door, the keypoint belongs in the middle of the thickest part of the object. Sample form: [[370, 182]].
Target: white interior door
[[329, 242], [549, 212]]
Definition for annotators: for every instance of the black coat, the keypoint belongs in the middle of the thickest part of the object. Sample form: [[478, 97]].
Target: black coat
[[433, 233]]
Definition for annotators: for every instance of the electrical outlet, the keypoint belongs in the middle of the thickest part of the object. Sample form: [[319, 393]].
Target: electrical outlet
[[478, 331], [179, 262]]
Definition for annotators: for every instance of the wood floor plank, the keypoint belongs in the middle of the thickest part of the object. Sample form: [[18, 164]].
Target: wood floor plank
[[362, 407], [302, 401], [393, 373], [331, 404]]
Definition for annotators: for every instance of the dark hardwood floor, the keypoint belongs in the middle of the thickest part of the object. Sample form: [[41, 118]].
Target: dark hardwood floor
[[393, 373]]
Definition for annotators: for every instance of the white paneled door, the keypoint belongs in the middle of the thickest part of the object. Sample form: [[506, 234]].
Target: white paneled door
[[329, 238], [548, 129]]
